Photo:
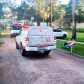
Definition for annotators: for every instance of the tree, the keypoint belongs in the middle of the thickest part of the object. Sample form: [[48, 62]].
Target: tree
[[73, 19], [80, 11], [39, 10], [42, 8], [80, 4], [68, 15], [21, 10], [59, 13], [1, 12], [76, 6], [25, 11]]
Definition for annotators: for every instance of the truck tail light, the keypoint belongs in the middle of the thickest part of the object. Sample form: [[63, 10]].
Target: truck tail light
[[54, 38], [26, 39]]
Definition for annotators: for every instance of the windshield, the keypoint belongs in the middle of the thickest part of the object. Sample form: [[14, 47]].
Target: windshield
[[16, 27]]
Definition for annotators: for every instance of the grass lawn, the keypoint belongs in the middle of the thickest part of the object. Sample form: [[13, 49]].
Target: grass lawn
[[1, 41], [2, 30], [78, 48], [79, 38]]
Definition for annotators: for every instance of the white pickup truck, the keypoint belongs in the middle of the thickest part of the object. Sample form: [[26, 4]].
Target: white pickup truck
[[36, 38]]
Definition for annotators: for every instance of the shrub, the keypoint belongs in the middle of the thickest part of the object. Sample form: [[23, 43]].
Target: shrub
[[1, 42], [80, 30]]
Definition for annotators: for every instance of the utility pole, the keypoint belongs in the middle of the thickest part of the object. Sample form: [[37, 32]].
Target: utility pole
[[50, 13], [73, 19]]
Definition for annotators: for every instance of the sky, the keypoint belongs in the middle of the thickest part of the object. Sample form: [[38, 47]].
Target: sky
[[64, 1], [19, 1]]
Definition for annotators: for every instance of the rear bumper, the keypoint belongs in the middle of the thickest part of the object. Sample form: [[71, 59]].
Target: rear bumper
[[40, 48]]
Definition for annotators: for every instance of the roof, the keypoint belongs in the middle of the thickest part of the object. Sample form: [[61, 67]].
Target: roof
[[17, 24]]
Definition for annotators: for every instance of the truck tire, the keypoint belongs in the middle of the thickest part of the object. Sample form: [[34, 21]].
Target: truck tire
[[46, 52], [11, 36], [22, 51], [17, 47]]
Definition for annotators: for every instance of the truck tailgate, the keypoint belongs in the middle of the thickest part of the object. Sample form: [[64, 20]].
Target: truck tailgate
[[41, 40]]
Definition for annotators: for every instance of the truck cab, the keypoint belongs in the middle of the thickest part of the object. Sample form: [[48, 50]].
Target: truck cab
[[15, 28]]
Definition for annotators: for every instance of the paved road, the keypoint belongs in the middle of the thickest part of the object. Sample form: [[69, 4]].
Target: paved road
[[57, 68]]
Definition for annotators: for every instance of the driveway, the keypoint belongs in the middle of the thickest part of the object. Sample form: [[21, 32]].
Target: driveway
[[57, 68]]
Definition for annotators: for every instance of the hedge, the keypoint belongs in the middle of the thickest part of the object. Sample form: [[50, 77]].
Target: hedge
[[80, 30]]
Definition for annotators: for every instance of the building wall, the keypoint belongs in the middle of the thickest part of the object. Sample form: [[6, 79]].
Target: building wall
[[79, 25]]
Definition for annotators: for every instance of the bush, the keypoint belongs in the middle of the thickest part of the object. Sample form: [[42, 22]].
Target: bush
[[80, 30], [1, 42]]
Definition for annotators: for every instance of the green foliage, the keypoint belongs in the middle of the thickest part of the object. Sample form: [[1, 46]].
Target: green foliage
[[80, 9], [59, 11], [1, 13], [21, 10], [68, 14], [81, 4], [41, 8], [79, 14], [80, 30], [1, 42]]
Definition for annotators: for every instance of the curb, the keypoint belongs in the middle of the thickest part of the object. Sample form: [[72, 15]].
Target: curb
[[70, 53]]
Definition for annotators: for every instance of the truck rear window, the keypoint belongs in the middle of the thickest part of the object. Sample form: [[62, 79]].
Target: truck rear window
[[40, 31]]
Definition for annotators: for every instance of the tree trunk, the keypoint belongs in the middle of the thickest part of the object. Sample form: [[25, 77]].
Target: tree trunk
[[74, 19], [74, 27], [38, 21]]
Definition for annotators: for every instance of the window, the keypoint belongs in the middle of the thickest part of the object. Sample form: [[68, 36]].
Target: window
[[56, 30], [16, 27]]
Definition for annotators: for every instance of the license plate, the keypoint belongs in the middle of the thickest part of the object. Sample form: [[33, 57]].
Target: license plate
[[41, 48]]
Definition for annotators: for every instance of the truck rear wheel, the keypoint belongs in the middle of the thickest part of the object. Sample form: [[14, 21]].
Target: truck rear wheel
[[11, 36], [46, 52], [17, 47], [22, 51]]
